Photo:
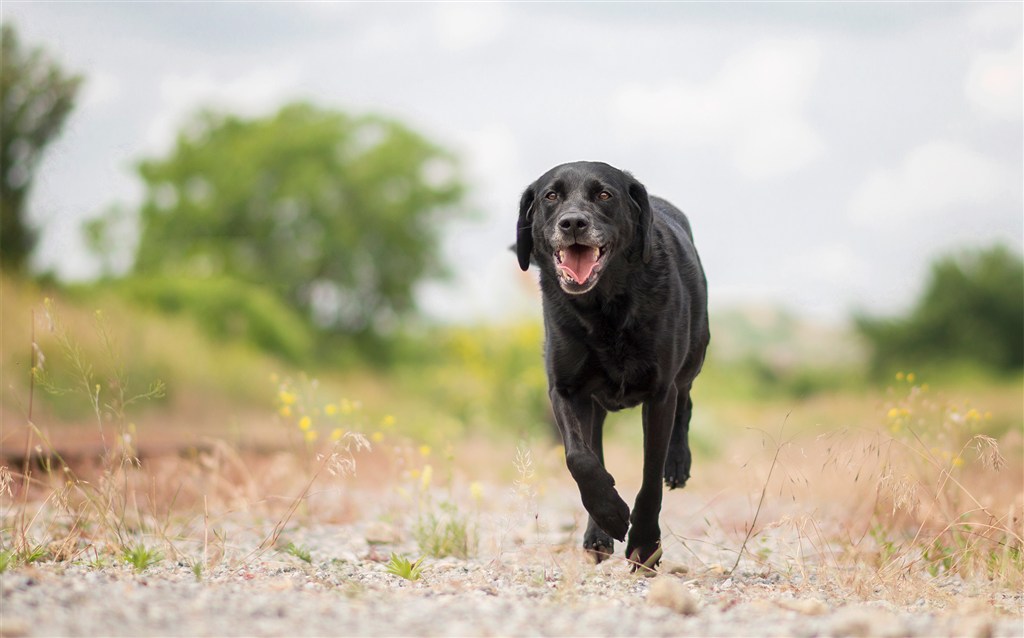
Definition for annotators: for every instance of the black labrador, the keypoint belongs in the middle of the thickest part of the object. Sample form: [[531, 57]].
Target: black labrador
[[625, 322]]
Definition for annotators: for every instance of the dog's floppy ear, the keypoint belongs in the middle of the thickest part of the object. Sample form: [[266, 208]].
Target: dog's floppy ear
[[644, 222], [524, 229]]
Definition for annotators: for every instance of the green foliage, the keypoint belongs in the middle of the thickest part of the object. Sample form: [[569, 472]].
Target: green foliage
[[299, 551], [37, 97], [7, 560], [33, 554], [229, 309], [141, 557], [401, 567], [338, 215], [971, 312], [481, 375], [443, 534], [924, 506]]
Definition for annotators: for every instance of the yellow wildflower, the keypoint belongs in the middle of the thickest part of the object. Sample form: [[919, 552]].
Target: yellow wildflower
[[377, 437], [899, 376], [337, 433], [285, 411], [347, 407], [910, 377], [286, 397], [310, 435], [958, 461], [330, 409], [428, 473], [476, 491], [424, 450], [305, 423], [388, 421]]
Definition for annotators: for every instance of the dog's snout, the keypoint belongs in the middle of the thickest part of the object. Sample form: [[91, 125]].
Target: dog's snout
[[573, 222]]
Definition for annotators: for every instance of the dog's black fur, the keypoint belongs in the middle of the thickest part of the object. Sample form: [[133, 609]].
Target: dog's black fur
[[634, 331]]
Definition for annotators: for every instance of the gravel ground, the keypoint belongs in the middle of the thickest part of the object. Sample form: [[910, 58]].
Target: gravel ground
[[541, 586], [525, 576]]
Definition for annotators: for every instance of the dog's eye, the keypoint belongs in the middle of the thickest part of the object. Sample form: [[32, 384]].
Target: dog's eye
[[604, 196], [552, 196]]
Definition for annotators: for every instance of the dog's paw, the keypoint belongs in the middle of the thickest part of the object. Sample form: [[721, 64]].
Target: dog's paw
[[677, 466], [598, 544], [675, 476], [644, 557], [602, 501], [607, 508]]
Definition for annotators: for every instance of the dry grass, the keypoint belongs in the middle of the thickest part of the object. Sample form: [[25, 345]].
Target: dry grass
[[919, 492], [905, 489]]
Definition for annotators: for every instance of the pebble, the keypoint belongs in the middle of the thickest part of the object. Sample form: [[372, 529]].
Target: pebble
[[540, 587], [806, 606], [668, 592]]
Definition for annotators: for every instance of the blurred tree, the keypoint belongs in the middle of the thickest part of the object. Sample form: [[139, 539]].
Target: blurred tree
[[36, 97], [339, 215], [972, 310]]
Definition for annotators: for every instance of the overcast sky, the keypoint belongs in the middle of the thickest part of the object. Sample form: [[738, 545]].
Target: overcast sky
[[825, 152]]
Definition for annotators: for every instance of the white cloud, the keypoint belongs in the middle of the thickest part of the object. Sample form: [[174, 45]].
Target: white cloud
[[993, 83], [753, 109], [253, 93], [995, 18], [833, 264], [932, 178], [491, 151], [465, 25], [101, 89]]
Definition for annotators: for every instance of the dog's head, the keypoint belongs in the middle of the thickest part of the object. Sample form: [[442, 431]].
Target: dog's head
[[579, 218]]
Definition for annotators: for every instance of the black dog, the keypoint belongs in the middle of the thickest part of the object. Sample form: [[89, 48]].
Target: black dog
[[625, 322]]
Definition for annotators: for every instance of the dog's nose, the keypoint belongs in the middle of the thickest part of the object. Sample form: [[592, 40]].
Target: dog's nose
[[573, 222]]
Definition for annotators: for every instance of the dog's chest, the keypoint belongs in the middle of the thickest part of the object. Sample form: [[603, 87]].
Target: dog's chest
[[623, 370], [624, 381]]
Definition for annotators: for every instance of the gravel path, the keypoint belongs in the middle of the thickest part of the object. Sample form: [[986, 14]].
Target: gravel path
[[525, 575], [541, 585]]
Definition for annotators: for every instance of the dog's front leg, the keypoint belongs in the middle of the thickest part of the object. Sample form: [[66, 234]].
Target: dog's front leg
[[645, 534], [597, 542], [574, 415]]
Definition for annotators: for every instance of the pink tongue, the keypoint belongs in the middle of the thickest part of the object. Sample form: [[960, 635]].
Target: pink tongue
[[579, 262]]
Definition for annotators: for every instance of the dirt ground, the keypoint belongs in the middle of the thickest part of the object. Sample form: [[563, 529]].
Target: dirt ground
[[264, 540]]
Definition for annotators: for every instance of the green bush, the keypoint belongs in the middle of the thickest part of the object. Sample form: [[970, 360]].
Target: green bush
[[226, 308], [971, 313], [480, 375]]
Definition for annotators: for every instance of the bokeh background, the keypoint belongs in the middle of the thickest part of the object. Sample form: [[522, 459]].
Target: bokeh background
[[328, 191]]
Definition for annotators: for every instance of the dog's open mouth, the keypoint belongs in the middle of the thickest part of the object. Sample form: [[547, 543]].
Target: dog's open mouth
[[579, 262]]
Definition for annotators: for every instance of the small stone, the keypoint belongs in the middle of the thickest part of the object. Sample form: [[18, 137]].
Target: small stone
[[379, 533], [13, 628], [670, 593], [281, 584], [861, 621], [805, 606], [675, 568], [976, 628]]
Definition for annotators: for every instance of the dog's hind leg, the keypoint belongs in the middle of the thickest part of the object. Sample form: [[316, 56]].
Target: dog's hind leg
[[677, 463], [598, 543]]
